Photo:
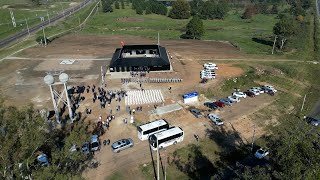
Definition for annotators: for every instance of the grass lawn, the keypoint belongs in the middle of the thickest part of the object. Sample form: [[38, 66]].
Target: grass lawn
[[26, 12], [234, 29]]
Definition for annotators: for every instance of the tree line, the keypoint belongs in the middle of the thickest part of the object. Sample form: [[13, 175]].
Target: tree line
[[24, 135]]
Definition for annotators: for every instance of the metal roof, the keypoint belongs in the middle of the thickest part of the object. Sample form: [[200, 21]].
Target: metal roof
[[169, 132], [118, 61], [153, 124]]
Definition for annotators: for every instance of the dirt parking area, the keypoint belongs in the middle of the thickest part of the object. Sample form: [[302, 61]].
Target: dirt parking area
[[21, 81]]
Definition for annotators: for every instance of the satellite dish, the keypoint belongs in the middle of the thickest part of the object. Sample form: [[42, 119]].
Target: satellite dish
[[48, 79], [63, 77]]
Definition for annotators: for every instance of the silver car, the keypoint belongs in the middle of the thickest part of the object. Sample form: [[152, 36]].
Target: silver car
[[226, 101], [122, 144]]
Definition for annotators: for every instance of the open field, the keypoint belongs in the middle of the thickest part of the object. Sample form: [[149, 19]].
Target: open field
[[234, 29]]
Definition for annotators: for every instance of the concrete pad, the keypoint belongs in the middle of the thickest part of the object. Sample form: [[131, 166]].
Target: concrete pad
[[166, 109]]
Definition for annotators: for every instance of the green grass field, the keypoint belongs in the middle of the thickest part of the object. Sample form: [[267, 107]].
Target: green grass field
[[234, 29], [24, 13]]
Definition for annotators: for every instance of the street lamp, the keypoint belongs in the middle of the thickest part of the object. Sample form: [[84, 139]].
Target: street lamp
[[55, 96]]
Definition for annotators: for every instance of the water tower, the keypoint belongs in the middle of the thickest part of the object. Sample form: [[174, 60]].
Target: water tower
[[56, 96]]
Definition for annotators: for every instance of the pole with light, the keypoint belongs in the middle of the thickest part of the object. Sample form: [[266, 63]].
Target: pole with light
[[158, 166]]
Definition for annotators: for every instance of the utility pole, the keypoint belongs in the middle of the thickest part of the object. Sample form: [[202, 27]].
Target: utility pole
[[254, 132], [304, 99], [48, 17], [158, 168], [13, 19], [158, 39], [274, 44], [27, 26], [165, 165], [79, 24], [62, 8], [44, 35]]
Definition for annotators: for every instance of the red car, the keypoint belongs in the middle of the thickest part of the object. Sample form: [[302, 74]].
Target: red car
[[219, 104], [250, 94]]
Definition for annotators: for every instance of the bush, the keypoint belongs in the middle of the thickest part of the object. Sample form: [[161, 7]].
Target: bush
[[41, 40], [250, 11]]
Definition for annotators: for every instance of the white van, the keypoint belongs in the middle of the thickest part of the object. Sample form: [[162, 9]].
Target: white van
[[210, 66]]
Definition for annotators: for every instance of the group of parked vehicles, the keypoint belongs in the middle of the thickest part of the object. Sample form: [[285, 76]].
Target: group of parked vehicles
[[237, 95], [208, 71]]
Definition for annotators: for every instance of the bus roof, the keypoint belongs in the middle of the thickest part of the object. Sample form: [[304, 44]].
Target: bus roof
[[153, 124], [169, 132]]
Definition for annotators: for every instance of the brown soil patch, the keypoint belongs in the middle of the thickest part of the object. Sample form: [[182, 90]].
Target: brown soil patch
[[88, 46]]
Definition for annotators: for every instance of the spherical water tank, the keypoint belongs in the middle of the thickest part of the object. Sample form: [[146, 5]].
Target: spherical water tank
[[48, 79], [63, 77]]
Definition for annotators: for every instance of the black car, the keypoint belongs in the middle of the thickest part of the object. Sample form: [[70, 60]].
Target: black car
[[211, 105], [313, 121], [196, 112], [250, 94]]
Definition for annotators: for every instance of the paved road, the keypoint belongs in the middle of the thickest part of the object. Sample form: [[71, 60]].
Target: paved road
[[66, 13]]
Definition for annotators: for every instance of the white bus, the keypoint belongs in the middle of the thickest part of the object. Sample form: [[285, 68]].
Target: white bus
[[145, 130], [166, 138]]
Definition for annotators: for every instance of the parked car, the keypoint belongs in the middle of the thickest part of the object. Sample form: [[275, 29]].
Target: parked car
[[122, 144], [211, 105], [259, 89], [215, 119], [270, 92], [95, 143], [196, 112], [254, 91], [226, 101], [210, 66], [234, 98], [239, 94], [208, 75], [313, 121], [250, 94], [85, 148], [268, 88], [43, 160], [219, 104], [261, 153]]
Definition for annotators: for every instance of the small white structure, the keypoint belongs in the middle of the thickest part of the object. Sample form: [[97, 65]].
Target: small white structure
[[191, 97], [67, 61], [144, 97]]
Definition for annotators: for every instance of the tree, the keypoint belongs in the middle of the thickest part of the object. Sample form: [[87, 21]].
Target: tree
[[24, 135], [195, 28], [212, 10], [274, 9], [262, 8], [285, 28], [180, 10], [221, 10], [139, 10], [196, 6], [107, 6], [250, 11], [122, 4], [117, 5], [148, 9]]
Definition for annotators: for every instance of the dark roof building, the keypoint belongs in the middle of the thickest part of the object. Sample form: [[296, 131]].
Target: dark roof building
[[140, 57]]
